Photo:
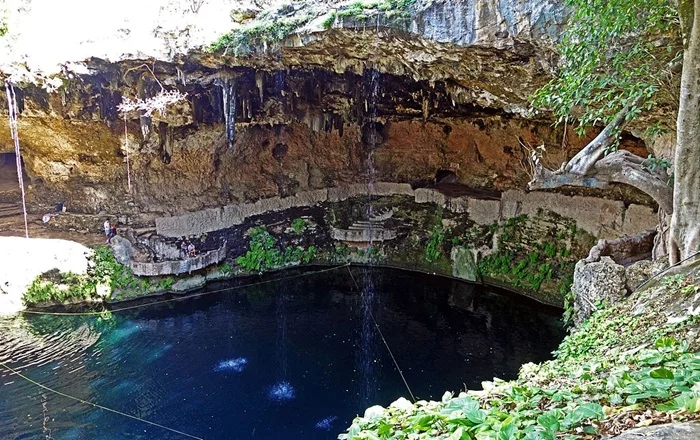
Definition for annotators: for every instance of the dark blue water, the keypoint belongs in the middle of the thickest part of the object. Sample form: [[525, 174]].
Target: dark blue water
[[290, 359]]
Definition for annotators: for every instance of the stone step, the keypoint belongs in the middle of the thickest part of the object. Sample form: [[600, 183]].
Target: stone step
[[365, 228], [368, 223], [382, 215]]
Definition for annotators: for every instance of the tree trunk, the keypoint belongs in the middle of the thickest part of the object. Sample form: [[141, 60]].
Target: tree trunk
[[685, 223]]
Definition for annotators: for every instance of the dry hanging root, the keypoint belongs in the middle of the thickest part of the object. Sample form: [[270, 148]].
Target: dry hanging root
[[12, 115], [126, 149]]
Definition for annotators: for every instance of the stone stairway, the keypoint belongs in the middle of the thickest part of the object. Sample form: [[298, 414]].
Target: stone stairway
[[382, 215], [365, 231]]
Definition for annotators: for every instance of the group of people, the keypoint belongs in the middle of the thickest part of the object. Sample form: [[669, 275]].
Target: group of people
[[187, 249], [110, 231]]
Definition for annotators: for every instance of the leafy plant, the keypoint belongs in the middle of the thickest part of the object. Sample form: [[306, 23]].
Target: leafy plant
[[259, 32], [433, 250], [299, 225], [614, 54], [655, 163], [166, 283], [263, 253], [65, 287], [226, 269]]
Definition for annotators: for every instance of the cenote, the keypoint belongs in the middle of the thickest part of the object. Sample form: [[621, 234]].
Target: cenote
[[295, 357]]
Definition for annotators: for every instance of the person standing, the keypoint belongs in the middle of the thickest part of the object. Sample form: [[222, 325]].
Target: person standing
[[107, 228], [112, 233]]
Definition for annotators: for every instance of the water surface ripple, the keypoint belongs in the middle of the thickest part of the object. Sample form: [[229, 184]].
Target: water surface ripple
[[283, 360]]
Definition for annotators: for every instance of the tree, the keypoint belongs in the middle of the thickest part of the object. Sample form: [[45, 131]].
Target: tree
[[618, 58], [685, 222]]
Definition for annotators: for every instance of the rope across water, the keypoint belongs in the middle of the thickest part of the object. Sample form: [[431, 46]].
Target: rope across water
[[386, 344], [95, 405]]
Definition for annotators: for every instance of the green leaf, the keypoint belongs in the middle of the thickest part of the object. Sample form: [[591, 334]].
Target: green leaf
[[550, 421], [661, 373], [384, 428], [587, 411], [665, 342], [457, 435], [507, 432]]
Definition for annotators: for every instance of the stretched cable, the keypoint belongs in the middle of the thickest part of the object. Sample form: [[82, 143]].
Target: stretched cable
[[386, 344], [13, 113], [95, 405]]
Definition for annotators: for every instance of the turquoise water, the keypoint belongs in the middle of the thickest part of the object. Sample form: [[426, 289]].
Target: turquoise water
[[290, 359]]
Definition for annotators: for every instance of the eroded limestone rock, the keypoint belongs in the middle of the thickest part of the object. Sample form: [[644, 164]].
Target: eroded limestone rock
[[593, 282], [671, 431], [189, 283], [463, 264]]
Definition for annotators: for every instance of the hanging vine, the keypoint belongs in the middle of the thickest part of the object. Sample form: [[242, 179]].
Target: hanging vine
[[12, 116]]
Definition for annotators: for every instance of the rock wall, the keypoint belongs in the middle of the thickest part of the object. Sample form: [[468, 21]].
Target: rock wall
[[490, 22], [294, 131], [599, 217]]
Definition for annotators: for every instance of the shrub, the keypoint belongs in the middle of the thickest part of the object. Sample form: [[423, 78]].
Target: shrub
[[299, 225], [263, 253]]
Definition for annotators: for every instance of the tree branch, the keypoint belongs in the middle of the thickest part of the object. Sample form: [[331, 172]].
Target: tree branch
[[586, 158], [619, 167]]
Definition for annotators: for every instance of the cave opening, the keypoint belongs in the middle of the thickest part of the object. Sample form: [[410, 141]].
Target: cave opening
[[445, 176], [8, 174]]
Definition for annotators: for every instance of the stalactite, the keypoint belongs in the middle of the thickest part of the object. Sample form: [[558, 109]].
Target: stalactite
[[145, 122], [259, 84], [12, 115], [228, 92], [165, 134], [181, 77]]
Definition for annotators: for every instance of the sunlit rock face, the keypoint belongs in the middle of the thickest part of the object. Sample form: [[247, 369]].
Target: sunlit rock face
[[443, 89], [491, 21], [295, 130]]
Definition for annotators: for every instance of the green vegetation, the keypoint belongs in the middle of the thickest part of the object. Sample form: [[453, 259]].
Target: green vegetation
[[264, 254], [226, 269], [618, 370], [433, 251], [299, 225], [434, 247], [683, 284], [372, 254], [3, 19], [264, 30], [54, 287], [528, 258], [363, 10], [613, 54]]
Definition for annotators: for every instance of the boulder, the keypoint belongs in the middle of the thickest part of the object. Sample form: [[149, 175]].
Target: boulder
[[122, 249], [671, 431], [637, 273], [593, 282], [463, 264]]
